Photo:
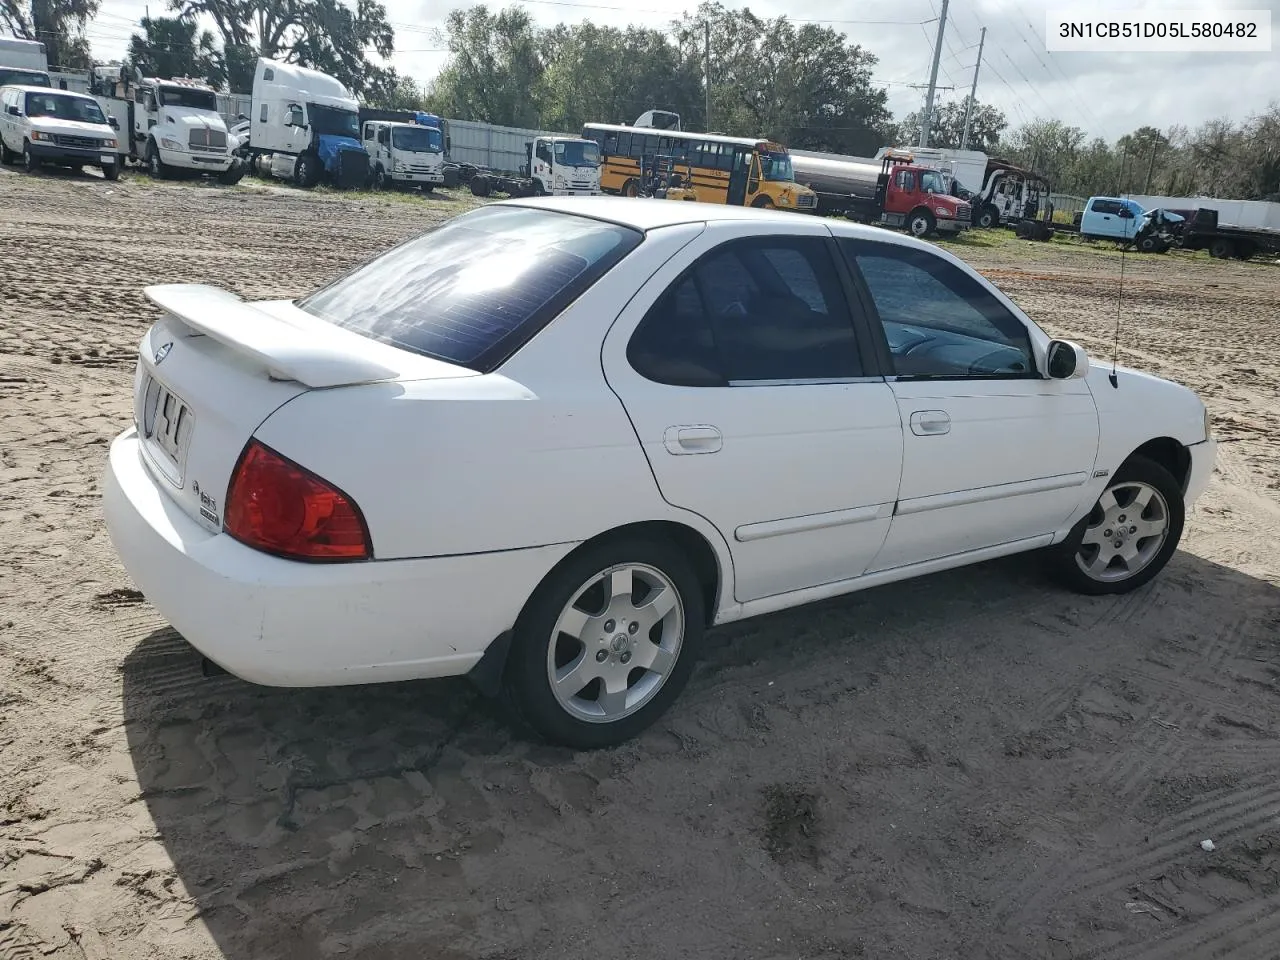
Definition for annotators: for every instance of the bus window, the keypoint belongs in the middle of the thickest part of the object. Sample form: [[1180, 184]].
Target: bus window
[[624, 145], [650, 144], [610, 145]]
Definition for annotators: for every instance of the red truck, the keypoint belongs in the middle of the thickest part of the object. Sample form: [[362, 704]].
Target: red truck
[[893, 190]]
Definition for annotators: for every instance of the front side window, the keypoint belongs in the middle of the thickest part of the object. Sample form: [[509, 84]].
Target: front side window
[[762, 310], [474, 289], [932, 182], [939, 321]]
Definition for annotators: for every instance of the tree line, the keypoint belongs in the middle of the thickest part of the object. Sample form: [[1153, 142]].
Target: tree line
[[805, 85]]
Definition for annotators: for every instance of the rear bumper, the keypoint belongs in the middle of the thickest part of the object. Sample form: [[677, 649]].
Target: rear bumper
[[282, 623], [1203, 456], [55, 153]]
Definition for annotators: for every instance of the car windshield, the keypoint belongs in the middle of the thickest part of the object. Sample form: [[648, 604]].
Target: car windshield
[[474, 289], [188, 97], [62, 107], [417, 139], [578, 154], [23, 78], [776, 166], [932, 182], [333, 121]]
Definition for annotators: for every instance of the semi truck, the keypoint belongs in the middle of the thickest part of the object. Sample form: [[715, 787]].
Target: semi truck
[[172, 127], [23, 63], [554, 166], [305, 127], [407, 149], [892, 190]]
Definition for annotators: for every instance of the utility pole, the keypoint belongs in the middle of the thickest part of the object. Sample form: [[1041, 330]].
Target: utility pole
[[933, 78], [1151, 166], [973, 92], [706, 70]]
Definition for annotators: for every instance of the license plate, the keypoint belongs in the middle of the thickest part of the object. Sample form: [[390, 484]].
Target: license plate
[[108, 158], [168, 421]]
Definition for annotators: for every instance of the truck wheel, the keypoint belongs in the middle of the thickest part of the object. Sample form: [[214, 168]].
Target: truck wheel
[[921, 223], [155, 166], [631, 189], [7, 156], [1221, 248], [30, 162], [1148, 245], [1244, 251], [762, 203], [233, 174], [379, 178], [306, 172], [111, 171], [989, 217], [480, 186]]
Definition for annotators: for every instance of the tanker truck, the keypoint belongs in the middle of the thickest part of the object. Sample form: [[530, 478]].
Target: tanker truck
[[893, 190]]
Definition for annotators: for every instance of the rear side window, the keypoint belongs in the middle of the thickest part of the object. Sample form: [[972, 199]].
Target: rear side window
[[475, 289]]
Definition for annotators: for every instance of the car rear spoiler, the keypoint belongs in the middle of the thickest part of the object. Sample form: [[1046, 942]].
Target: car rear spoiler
[[318, 357]]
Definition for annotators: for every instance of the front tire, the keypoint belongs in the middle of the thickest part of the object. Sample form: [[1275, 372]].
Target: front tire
[[921, 224], [30, 162], [306, 172], [989, 217], [762, 203], [156, 167], [1128, 536], [111, 171], [606, 643]]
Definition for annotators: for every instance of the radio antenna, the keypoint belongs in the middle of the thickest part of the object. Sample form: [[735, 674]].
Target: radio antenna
[[1115, 346]]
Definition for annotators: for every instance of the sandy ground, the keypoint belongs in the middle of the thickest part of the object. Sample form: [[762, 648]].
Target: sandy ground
[[973, 765]]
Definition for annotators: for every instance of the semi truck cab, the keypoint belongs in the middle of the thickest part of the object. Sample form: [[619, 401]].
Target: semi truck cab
[[916, 197]]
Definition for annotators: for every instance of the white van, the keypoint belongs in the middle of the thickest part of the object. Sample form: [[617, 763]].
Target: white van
[[39, 125]]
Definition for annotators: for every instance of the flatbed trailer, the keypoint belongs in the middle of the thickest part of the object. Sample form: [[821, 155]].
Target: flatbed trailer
[[1202, 231]]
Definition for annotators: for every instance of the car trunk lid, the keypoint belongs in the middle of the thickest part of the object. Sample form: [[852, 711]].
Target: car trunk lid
[[214, 367]]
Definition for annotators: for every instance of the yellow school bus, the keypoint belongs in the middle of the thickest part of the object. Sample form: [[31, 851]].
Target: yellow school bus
[[742, 171]]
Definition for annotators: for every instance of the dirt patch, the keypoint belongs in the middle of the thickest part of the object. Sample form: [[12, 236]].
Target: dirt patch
[[972, 765]]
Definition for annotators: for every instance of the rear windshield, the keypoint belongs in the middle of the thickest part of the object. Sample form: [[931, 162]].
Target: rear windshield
[[473, 290]]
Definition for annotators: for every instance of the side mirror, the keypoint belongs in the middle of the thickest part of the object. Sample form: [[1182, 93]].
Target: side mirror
[[1065, 360], [13, 111], [113, 123]]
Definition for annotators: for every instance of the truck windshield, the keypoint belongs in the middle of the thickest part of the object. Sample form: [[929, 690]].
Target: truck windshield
[[187, 97], [586, 154], [776, 166], [23, 78], [417, 139], [333, 121], [62, 107], [933, 182]]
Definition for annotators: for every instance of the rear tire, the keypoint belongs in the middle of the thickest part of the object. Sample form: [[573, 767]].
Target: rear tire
[[631, 188], [1128, 536], [7, 156], [619, 624], [1221, 248]]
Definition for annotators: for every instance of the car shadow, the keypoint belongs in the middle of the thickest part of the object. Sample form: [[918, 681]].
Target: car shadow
[[407, 820]]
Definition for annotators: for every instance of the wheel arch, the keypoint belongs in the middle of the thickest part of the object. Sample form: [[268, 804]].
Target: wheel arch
[[707, 567], [1168, 453]]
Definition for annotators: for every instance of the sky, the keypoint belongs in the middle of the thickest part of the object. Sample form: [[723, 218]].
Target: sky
[[1106, 95]]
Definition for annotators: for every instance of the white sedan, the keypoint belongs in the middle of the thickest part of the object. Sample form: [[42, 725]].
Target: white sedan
[[549, 442]]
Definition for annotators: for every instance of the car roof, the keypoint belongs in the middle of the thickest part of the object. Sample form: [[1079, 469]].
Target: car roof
[[649, 213], [27, 88]]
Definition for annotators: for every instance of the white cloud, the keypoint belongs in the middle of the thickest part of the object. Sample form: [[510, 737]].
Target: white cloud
[[1106, 94]]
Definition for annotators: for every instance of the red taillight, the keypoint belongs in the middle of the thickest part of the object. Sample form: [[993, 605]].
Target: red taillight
[[277, 506]]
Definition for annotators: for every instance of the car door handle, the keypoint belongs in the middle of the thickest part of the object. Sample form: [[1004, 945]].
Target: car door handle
[[693, 438], [930, 423]]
